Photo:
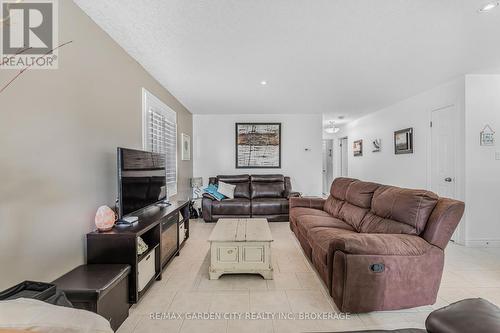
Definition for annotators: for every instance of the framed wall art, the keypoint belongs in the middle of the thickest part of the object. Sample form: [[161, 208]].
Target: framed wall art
[[487, 136], [403, 141], [258, 145], [377, 145], [186, 147], [357, 148]]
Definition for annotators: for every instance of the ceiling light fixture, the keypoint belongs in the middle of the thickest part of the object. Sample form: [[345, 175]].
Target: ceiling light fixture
[[489, 7], [264, 83], [331, 129]]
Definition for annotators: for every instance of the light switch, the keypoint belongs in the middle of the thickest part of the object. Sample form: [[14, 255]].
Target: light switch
[[497, 155]]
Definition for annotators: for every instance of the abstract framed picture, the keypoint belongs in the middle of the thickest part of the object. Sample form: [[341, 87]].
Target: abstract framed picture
[[357, 148], [258, 145], [403, 141]]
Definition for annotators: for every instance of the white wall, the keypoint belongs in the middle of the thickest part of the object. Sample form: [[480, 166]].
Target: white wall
[[59, 130], [478, 171], [410, 170], [482, 169], [214, 148]]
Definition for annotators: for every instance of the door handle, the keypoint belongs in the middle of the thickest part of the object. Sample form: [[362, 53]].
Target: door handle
[[448, 179]]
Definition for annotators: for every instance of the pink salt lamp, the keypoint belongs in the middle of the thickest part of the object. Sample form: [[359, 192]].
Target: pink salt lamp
[[105, 218]]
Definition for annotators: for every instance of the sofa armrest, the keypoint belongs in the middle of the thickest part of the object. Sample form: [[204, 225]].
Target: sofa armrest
[[206, 204], [380, 244], [316, 203], [294, 195], [443, 221]]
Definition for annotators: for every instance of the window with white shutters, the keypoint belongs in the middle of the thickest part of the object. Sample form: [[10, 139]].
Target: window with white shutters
[[160, 135]]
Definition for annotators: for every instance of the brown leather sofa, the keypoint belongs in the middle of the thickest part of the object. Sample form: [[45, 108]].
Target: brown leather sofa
[[376, 247], [263, 196]]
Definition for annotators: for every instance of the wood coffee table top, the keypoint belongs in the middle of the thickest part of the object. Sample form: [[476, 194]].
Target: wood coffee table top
[[241, 230]]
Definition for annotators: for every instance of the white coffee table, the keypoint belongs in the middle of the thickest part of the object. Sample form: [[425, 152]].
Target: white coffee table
[[241, 246]]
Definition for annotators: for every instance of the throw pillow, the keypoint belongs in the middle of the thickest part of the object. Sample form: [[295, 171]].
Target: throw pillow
[[208, 195], [212, 190], [226, 189]]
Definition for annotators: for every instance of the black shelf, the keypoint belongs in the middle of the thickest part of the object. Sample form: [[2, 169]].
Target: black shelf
[[119, 245]]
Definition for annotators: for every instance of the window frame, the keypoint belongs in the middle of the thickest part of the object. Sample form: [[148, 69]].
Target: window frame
[[150, 100]]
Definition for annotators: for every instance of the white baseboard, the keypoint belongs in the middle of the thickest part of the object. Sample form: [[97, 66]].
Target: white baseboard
[[483, 243]]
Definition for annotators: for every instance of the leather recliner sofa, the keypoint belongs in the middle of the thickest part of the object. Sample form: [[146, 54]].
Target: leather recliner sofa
[[376, 247], [255, 196]]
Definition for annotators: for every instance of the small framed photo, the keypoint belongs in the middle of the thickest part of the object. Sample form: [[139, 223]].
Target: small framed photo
[[357, 148], [186, 147], [403, 141]]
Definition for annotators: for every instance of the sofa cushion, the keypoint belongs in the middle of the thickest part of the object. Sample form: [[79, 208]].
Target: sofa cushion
[[352, 215], [333, 205], [242, 183], [322, 238], [361, 193], [237, 206], [269, 206], [339, 187], [374, 224], [267, 186], [397, 210], [232, 179], [357, 203], [307, 222], [267, 190], [267, 178]]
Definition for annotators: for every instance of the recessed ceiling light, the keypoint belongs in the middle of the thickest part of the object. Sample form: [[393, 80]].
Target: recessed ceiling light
[[264, 83], [489, 7]]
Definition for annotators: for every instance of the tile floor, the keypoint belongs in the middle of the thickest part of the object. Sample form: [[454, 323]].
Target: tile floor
[[185, 288]]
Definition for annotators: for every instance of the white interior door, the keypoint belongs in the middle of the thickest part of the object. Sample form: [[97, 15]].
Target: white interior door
[[343, 157], [324, 166], [327, 165], [443, 173]]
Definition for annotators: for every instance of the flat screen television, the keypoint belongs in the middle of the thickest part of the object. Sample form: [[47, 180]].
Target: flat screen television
[[141, 180]]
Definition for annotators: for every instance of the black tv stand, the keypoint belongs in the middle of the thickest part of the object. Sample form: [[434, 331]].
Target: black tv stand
[[119, 245]]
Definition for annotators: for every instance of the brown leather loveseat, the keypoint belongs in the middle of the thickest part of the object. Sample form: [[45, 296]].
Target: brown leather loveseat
[[256, 196], [376, 247]]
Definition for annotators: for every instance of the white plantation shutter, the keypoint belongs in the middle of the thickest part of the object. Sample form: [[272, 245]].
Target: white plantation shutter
[[160, 135]]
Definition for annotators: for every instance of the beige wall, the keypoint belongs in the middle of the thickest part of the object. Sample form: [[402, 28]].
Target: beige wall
[[59, 130]]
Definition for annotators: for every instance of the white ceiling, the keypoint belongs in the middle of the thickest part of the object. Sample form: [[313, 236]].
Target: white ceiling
[[336, 57]]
